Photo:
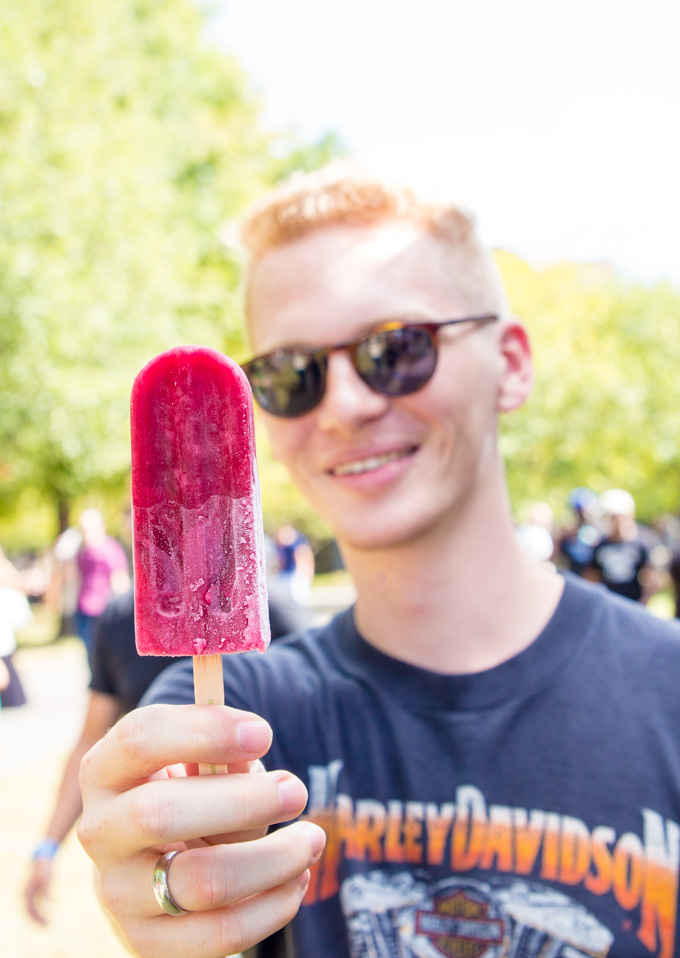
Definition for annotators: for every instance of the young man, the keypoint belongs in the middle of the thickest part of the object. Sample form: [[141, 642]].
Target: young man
[[491, 749]]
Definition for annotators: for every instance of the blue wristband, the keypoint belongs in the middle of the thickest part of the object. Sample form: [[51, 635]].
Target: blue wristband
[[47, 848]]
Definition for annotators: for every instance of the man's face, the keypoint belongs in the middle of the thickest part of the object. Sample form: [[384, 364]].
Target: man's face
[[381, 470]]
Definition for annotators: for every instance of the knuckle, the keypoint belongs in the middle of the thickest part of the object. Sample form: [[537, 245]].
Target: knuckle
[[94, 830], [153, 814], [211, 885], [241, 802], [84, 769], [110, 892], [233, 933], [86, 833], [133, 737], [295, 849], [141, 939]]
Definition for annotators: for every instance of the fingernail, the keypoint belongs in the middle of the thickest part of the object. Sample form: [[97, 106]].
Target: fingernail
[[316, 838], [303, 880], [254, 737], [292, 795]]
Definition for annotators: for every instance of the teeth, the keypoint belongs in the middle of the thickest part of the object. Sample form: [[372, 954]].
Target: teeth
[[367, 465]]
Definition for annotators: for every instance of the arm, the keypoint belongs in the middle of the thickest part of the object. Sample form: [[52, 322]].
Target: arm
[[239, 883], [102, 712], [120, 581]]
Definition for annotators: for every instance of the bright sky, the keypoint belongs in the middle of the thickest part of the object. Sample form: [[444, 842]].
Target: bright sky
[[557, 122]]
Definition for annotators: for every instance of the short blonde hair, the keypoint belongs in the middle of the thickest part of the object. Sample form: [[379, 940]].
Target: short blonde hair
[[344, 194]]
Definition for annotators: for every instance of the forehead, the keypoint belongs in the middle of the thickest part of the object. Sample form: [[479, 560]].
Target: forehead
[[338, 280]]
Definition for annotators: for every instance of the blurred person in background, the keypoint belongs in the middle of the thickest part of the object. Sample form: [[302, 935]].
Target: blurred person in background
[[295, 562], [536, 535], [15, 614], [286, 613], [93, 565], [577, 541], [668, 527], [622, 560]]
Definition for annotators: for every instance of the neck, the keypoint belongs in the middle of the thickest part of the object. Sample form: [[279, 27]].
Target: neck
[[455, 600]]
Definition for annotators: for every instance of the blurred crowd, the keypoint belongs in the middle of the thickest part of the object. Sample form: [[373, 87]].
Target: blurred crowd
[[74, 579], [601, 539]]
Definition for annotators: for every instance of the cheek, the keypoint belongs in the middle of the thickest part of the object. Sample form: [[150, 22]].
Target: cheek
[[460, 401], [286, 436]]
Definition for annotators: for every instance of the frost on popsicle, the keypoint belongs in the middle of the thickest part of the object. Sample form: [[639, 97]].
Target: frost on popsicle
[[200, 585]]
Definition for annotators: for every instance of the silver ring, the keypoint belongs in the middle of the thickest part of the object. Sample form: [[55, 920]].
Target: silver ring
[[160, 886]]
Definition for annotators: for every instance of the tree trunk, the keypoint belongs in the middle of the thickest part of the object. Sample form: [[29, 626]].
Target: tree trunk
[[63, 510]]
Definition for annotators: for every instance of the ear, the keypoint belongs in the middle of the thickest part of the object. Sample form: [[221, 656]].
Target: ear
[[517, 374]]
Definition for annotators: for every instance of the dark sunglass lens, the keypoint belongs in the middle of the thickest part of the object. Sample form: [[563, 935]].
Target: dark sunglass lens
[[397, 361], [287, 383]]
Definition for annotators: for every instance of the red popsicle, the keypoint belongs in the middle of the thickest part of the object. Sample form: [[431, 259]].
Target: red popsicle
[[200, 582]]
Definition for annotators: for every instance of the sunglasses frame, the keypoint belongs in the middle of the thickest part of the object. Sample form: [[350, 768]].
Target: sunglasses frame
[[322, 354]]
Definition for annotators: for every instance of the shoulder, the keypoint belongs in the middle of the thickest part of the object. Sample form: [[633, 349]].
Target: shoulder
[[625, 636]]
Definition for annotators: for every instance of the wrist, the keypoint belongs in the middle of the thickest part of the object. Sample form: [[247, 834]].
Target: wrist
[[47, 848]]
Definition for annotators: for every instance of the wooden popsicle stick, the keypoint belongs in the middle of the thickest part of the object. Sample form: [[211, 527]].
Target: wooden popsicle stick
[[209, 690]]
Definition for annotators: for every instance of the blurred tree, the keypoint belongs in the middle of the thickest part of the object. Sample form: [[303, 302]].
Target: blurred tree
[[126, 144], [606, 405]]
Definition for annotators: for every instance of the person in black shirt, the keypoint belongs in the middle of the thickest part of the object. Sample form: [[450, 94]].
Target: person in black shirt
[[621, 560]]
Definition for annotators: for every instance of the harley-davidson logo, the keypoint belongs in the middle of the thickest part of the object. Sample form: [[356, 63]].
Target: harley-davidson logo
[[465, 924]]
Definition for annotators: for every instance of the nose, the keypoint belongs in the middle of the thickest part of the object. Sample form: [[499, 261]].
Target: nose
[[348, 403]]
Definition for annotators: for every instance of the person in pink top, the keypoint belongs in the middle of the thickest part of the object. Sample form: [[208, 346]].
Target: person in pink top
[[103, 569]]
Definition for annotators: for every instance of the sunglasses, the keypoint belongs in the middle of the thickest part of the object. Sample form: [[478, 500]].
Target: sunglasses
[[395, 359]]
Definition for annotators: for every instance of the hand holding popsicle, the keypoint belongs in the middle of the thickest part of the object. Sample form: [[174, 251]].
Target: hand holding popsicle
[[240, 884]]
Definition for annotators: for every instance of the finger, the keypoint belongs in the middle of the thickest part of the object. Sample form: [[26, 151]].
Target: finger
[[211, 877], [215, 934], [182, 809], [149, 738]]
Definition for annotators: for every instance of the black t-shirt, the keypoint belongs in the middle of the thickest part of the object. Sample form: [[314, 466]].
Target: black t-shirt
[[117, 668], [620, 564], [531, 809]]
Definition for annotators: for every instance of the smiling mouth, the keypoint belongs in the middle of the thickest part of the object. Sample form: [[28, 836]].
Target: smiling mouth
[[371, 463]]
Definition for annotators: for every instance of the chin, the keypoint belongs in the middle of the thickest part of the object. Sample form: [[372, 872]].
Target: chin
[[375, 535]]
